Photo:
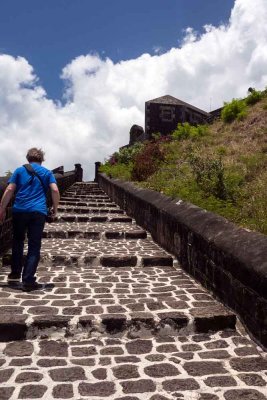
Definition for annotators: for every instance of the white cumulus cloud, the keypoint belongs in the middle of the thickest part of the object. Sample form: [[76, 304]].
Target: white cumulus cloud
[[103, 99]]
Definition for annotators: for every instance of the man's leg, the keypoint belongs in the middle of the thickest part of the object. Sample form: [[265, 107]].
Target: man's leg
[[35, 231], [20, 221]]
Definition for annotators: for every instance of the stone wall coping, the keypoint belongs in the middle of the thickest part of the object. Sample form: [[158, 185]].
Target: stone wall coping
[[4, 179], [247, 248]]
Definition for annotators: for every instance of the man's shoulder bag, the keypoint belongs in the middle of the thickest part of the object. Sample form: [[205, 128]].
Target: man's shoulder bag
[[50, 214]]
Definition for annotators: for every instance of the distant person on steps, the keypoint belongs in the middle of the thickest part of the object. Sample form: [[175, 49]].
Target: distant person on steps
[[29, 214]]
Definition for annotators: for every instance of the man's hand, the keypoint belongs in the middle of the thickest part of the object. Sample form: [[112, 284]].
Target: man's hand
[[55, 197]]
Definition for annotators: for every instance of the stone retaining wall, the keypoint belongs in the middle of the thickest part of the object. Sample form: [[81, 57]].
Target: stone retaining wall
[[64, 181], [227, 260]]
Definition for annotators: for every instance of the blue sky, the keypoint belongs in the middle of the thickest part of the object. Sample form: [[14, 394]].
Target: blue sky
[[50, 33], [75, 75]]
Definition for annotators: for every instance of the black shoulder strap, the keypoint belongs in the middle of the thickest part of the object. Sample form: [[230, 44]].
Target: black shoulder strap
[[31, 171]]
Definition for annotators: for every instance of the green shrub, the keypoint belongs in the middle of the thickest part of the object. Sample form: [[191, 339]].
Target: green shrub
[[185, 131], [254, 97], [156, 136], [121, 171], [255, 206], [210, 176], [254, 164], [221, 151], [215, 180], [264, 92], [126, 154], [236, 109], [234, 181], [242, 115]]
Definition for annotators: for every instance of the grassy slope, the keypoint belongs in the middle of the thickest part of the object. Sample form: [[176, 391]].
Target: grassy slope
[[242, 148]]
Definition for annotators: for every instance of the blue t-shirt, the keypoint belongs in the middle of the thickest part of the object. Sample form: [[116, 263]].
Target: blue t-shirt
[[30, 195]]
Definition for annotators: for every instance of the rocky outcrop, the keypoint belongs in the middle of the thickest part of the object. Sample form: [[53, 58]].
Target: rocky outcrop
[[137, 134]]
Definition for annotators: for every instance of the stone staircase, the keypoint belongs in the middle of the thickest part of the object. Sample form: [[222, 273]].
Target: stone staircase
[[118, 319]]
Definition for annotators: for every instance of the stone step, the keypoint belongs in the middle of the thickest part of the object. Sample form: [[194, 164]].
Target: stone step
[[91, 210], [95, 227], [88, 204], [141, 252], [86, 198], [102, 218], [189, 367], [75, 195], [85, 187], [95, 189], [85, 184], [94, 234], [78, 258], [108, 253], [85, 192], [161, 301], [93, 230], [91, 199]]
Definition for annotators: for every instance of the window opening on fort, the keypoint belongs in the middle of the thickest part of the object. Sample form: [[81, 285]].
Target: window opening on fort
[[167, 113]]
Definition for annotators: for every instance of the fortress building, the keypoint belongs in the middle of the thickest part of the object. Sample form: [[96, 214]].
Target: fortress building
[[164, 113]]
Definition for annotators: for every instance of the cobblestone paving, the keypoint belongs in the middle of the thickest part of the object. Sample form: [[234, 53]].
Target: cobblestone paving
[[101, 231], [123, 300], [94, 217], [82, 247], [118, 321], [222, 366]]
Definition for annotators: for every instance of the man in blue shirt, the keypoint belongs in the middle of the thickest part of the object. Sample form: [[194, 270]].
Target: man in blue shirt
[[29, 213]]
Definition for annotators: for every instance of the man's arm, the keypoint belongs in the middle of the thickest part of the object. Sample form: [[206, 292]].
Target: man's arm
[[55, 196], [7, 196]]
